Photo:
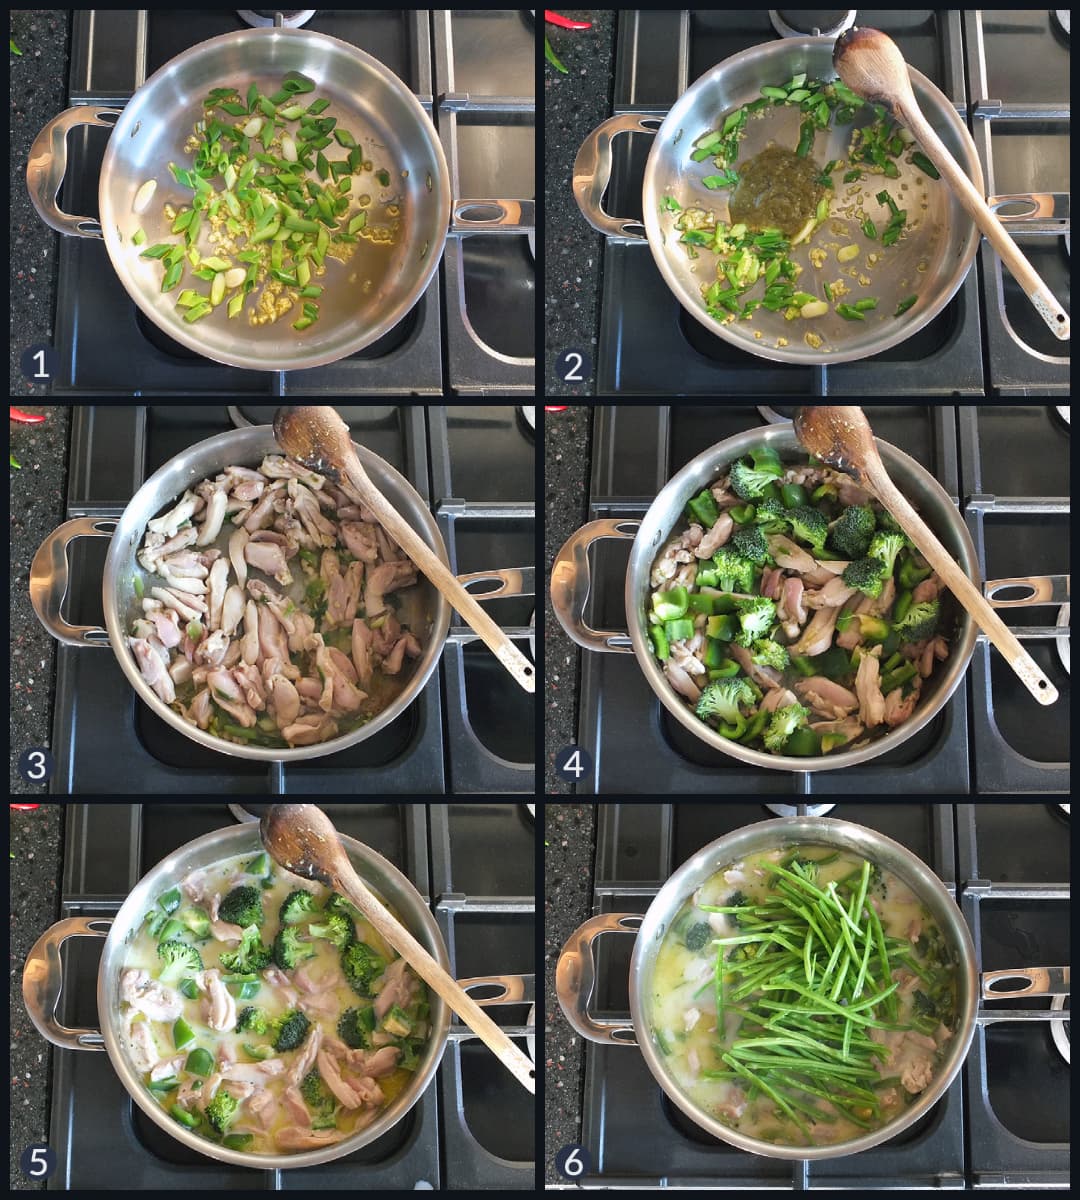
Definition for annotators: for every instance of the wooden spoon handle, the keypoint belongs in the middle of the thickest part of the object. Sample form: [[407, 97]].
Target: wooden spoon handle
[[1022, 271], [958, 583], [433, 567], [392, 931]]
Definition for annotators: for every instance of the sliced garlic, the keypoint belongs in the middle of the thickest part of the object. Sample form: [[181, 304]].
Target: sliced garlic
[[813, 308], [252, 127], [847, 253], [234, 277], [144, 195], [288, 148]]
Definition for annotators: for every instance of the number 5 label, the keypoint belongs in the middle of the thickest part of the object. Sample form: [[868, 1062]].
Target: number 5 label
[[38, 1162]]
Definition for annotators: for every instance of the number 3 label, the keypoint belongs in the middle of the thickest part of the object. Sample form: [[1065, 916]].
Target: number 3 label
[[572, 1162], [36, 765]]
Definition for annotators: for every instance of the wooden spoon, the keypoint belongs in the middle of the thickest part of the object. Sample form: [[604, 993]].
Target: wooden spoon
[[841, 436], [870, 63], [302, 839], [320, 439]]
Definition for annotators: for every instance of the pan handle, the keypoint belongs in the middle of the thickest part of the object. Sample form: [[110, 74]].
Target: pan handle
[[512, 581], [1041, 589], [515, 989], [575, 979], [592, 172], [1030, 981], [49, 580], [48, 163], [43, 981], [570, 581], [493, 216]]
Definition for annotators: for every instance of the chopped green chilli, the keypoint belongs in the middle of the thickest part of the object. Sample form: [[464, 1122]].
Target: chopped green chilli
[[263, 208], [904, 305]]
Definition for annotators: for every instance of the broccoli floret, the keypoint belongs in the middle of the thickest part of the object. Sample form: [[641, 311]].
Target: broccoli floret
[[737, 899], [195, 920], [289, 950], [865, 574], [749, 542], [290, 1030], [750, 477], [920, 622], [253, 1019], [296, 906], [850, 535], [736, 572], [886, 546], [221, 1110], [767, 653], [179, 958], [698, 936], [361, 966], [783, 724], [756, 617], [809, 526], [337, 928], [722, 698], [242, 906], [317, 1096], [251, 956], [338, 904], [887, 522], [355, 1026], [771, 516]]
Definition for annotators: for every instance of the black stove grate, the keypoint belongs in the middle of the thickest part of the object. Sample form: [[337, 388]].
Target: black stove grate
[[437, 744], [987, 340], [489, 279], [110, 1144], [636, 746]]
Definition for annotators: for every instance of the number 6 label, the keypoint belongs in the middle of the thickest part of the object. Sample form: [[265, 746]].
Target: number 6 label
[[572, 1162]]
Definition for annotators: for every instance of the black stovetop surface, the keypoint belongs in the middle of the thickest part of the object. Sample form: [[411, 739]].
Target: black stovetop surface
[[464, 733], [1004, 1120], [1006, 72], [472, 332], [472, 1127], [1010, 466]]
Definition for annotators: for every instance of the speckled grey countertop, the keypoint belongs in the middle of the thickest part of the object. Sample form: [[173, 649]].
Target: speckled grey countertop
[[36, 506], [35, 839], [38, 92], [569, 850], [575, 104], [567, 444]]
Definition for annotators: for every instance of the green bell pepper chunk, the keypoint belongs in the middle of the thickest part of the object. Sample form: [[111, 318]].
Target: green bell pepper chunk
[[660, 642], [183, 1116], [900, 608], [172, 928], [680, 630], [719, 665], [704, 510], [182, 1034], [671, 604], [708, 577], [189, 988], [910, 574], [833, 663], [793, 495], [803, 743], [236, 1141], [699, 603], [722, 627], [803, 665], [756, 727], [894, 679], [199, 1062], [772, 492], [742, 514], [831, 741], [170, 902]]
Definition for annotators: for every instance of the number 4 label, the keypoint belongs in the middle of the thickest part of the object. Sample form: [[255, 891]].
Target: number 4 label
[[573, 764]]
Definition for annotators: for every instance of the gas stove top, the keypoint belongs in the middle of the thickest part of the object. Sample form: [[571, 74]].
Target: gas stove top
[[1010, 467], [470, 334], [471, 727], [1006, 72], [472, 1127], [1004, 1122]]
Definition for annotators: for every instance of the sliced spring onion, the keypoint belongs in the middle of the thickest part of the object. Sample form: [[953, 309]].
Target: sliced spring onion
[[924, 164], [138, 237], [850, 312], [904, 305], [358, 222]]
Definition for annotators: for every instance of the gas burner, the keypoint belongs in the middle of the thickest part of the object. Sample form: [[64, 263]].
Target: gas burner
[[777, 416], [798, 23], [1062, 16], [799, 810], [262, 18], [1059, 1030]]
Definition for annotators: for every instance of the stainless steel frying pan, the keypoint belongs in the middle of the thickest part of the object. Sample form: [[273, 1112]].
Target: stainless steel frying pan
[[931, 261], [364, 298]]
